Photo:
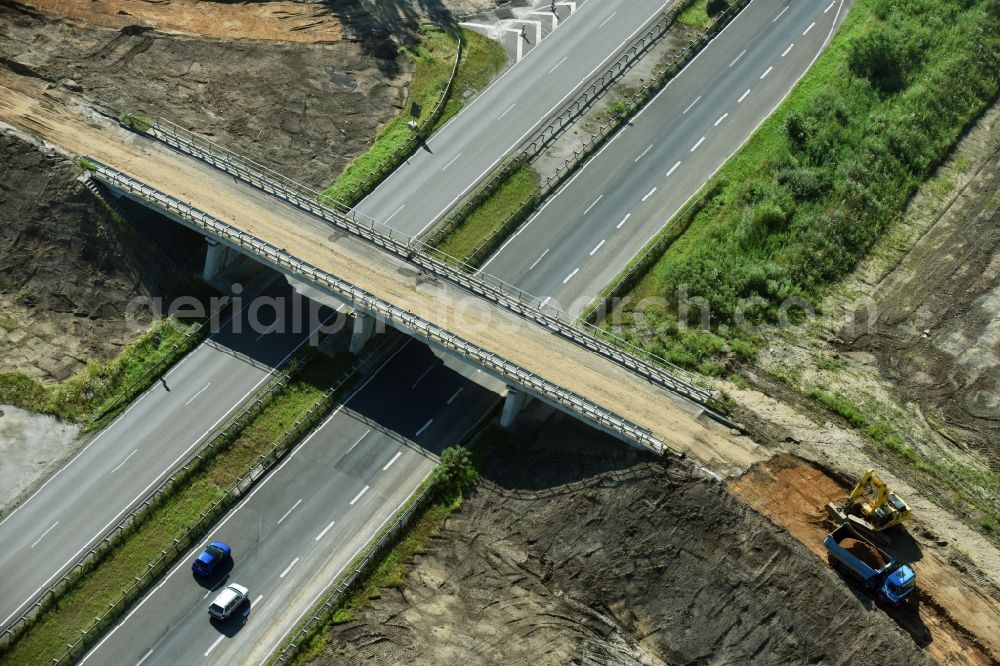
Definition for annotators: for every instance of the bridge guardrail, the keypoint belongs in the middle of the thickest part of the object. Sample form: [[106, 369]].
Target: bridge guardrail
[[371, 304], [436, 262]]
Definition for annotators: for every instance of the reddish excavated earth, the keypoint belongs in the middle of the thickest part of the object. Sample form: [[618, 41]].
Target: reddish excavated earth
[[954, 620]]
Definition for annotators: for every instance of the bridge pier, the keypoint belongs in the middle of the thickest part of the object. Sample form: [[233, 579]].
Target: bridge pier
[[364, 331], [218, 256], [513, 405]]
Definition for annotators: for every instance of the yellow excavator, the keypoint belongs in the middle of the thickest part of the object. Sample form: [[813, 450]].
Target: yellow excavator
[[871, 506]]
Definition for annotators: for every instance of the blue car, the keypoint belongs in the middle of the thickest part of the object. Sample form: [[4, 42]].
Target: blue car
[[215, 553]]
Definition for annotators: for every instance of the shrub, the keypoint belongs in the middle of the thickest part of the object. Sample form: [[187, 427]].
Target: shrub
[[715, 7], [879, 58]]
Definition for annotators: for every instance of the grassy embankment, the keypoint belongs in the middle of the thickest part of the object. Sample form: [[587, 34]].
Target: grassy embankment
[[394, 566], [805, 199], [94, 389], [90, 596], [432, 58]]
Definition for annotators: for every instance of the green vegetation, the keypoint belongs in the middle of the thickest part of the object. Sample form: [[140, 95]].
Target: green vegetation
[[90, 596], [805, 199], [700, 13], [137, 121], [93, 390], [433, 58], [457, 472], [486, 218]]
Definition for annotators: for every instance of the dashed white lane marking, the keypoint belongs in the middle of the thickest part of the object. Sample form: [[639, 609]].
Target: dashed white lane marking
[[267, 332], [605, 21], [287, 513], [208, 593], [507, 111], [721, 118], [422, 375], [424, 427], [570, 276], [455, 395], [539, 259], [779, 14], [809, 28], [325, 530], [673, 168], [743, 96], [257, 600], [209, 384], [643, 153], [593, 204], [452, 161], [358, 496], [44, 533], [597, 247], [767, 71], [830, 7], [359, 440], [624, 220], [650, 193], [124, 461], [144, 658], [394, 459], [217, 641], [785, 52], [737, 58], [386, 220], [692, 104], [695, 146], [289, 567], [554, 67], [547, 299]]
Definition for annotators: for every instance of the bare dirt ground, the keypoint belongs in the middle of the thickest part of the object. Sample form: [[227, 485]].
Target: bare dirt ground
[[52, 441], [584, 555]]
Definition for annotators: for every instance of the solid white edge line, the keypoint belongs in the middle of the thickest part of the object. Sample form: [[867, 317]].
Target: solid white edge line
[[44, 533], [541, 118], [289, 512], [217, 641], [325, 530], [394, 459], [183, 561], [293, 563], [358, 496]]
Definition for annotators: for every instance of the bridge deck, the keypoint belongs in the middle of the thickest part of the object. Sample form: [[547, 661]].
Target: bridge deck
[[62, 121]]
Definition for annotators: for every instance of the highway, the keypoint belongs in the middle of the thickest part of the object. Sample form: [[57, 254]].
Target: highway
[[585, 234], [310, 517], [278, 559], [70, 512], [472, 143]]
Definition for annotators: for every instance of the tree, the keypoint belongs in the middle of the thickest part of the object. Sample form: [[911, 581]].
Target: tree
[[716, 7], [880, 58]]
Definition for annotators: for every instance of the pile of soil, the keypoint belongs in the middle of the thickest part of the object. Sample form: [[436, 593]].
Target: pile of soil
[[864, 552], [564, 558], [68, 269]]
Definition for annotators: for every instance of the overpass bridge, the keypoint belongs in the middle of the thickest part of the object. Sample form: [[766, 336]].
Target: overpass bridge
[[537, 351]]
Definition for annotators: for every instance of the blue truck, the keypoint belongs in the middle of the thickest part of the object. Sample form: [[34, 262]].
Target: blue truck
[[873, 569]]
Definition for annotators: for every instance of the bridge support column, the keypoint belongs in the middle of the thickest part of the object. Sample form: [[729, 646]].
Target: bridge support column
[[364, 331], [217, 257], [513, 405]]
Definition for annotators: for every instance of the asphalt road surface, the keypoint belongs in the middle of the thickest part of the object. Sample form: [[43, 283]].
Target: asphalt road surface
[[310, 517], [69, 513], [589, 231], [467, 147]]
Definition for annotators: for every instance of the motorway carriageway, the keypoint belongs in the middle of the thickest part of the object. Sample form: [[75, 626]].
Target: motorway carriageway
[[592, 227]]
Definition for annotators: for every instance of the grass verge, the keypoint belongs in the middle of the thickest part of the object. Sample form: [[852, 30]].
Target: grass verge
[[91, 595], [93, 390], [433, 57], [393, 567], [487, 218], [805, 199]]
